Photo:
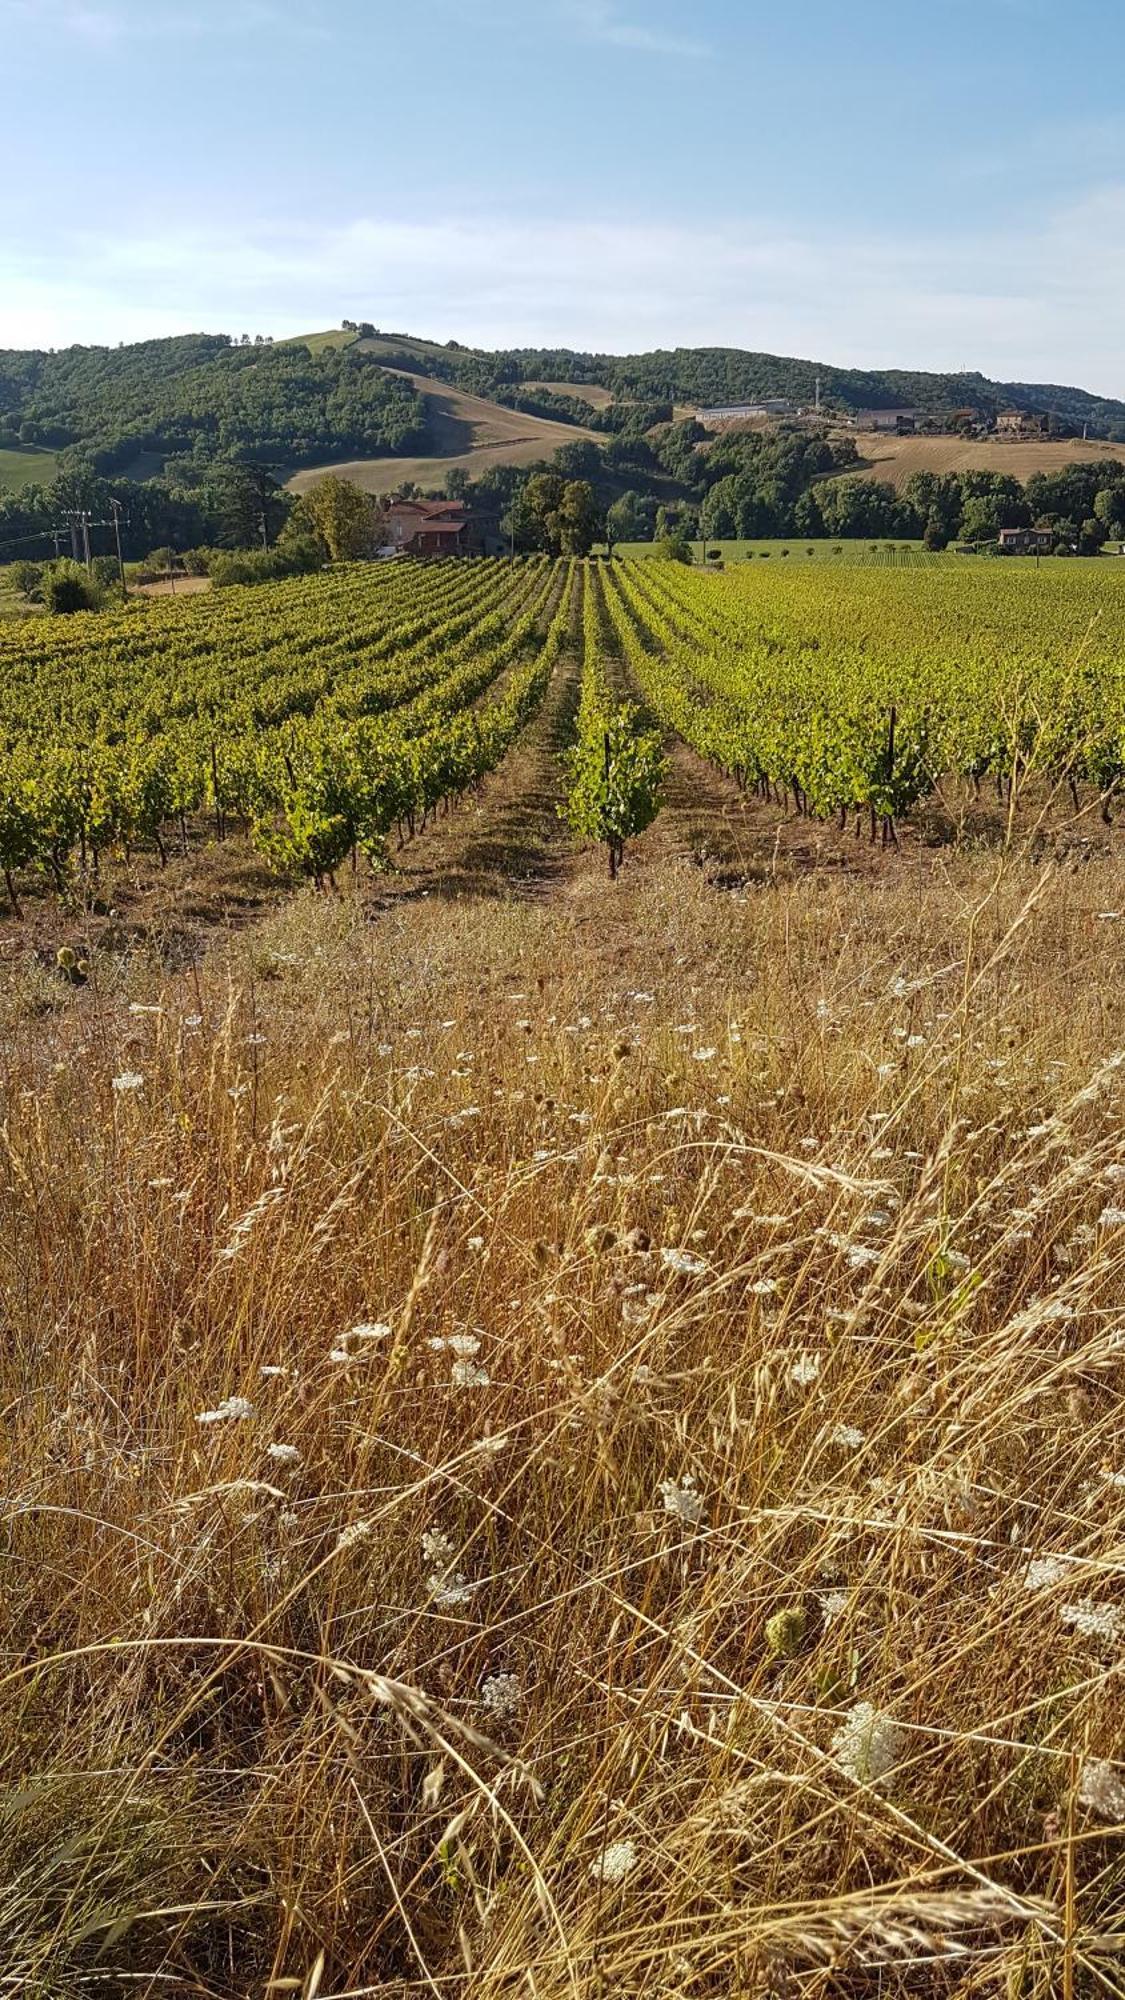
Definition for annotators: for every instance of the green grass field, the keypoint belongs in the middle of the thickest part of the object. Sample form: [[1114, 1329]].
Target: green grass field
[[27, 466], [795, 549], [12, 605]]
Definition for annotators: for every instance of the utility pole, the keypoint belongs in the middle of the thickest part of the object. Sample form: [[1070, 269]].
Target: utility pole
[[116, 508], [79, 519]]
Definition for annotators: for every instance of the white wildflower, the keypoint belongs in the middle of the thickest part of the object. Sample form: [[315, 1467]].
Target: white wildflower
[[501, 1695], [466, 1375], [283, 1454], [683, 1261], [1111, 1217], [464, 1345], [1044, 1571], [636, 1312], [834, 1603], [848, 1437], [370, 1329], [129, 1080], [1093, 1620], [867, 1745], [437, 1548], [805, 1370], [763, 1288], [705, 1055], [449, 1591], [235, 1409], [860, 1256], [615, 1862], [350, 1537], [681, 1499], [1100, 1788]]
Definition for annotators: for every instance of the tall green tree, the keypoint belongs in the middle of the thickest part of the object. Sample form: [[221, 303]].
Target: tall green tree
[[342, 516]]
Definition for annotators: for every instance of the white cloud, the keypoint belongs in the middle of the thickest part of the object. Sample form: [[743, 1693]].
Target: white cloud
[[1039, 300]]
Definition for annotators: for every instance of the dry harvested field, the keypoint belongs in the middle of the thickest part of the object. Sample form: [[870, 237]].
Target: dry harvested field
[[565, 1438], [897, 459], [469, 433]]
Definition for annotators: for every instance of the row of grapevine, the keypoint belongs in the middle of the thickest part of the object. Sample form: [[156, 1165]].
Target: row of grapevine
[[615, 768], [205, 726], [815, 688]]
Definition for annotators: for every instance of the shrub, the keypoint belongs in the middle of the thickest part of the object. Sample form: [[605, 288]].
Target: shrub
[[28, 580], [674, 548], [67, 588]]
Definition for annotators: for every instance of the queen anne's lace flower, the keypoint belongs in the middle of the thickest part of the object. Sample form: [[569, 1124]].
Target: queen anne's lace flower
[[684, 1261], [350, 1537], [128, 1081], [615, 1862], [437, 1547], [235, 1409], [1046, 1570], [681, 1499], [867, 1745], [805, 1370], [449, 1591], [1093, 1620], [466, 1375], [501, 1695], [1102, 1789]]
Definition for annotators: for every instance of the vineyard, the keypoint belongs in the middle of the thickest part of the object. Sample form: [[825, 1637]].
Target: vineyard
[[564, 1437], [328, 717]]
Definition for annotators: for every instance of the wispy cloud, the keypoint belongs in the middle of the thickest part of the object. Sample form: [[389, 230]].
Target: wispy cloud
[[601, 21], [1036, 300]]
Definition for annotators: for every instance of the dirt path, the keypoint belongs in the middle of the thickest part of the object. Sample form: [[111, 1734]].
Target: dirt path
[[507, 839]]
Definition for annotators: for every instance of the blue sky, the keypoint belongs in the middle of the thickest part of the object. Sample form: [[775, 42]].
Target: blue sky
[[932, 185]]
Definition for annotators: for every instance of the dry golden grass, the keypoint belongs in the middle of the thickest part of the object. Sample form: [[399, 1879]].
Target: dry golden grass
[[738, 1284], [898, 459]]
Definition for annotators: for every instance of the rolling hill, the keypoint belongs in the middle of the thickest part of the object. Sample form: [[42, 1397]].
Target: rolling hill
[[384, 408], [463, 433]]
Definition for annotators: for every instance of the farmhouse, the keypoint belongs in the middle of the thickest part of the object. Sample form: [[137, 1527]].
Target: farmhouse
[[438, 528], [1021, 423], [900, 423], [1027, 541], [743, 413]]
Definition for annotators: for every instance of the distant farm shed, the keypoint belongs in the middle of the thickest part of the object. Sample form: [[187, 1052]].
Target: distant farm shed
[[1022, 423], [744, 413], [900, 423]]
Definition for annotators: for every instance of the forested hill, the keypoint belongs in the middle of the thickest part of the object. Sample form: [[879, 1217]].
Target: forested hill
[[714, 375], [200, 398]]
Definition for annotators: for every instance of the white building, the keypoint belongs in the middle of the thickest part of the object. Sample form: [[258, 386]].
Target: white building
[[743, 413]]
